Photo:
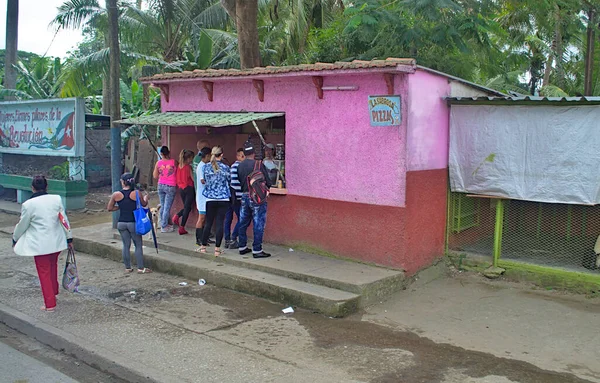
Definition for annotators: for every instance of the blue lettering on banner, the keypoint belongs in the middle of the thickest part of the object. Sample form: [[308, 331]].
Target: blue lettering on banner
[[385, 110]]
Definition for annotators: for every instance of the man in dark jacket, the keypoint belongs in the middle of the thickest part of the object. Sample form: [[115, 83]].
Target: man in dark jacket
[[250, 210]]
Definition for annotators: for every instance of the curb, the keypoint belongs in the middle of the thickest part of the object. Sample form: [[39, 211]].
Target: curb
[[82, 349], [246, 282], [5, 211], [370, 293]]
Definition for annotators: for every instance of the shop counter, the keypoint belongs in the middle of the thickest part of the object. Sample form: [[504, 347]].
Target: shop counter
[[278, 191]]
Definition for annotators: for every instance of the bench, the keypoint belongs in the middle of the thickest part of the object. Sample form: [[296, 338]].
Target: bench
[[72, 192]]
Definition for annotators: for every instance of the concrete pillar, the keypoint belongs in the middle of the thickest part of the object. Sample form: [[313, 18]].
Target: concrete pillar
[[76, 168], [23, 195]]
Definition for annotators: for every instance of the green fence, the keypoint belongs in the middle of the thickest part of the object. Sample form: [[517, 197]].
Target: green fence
[[557, 236]]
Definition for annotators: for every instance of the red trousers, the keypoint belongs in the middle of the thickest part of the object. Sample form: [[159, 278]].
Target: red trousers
[[47, 268]]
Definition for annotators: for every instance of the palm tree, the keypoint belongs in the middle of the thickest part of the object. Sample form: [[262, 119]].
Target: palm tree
[[115, 62], [80, 14], [245, 15], [12, 29], [285, 25], [171, 27]]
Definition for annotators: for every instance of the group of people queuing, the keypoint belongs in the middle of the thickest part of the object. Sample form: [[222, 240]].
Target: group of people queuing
[[218, 190]]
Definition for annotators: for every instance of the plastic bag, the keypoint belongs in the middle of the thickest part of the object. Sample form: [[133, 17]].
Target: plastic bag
[[70, 279], [143, 225]]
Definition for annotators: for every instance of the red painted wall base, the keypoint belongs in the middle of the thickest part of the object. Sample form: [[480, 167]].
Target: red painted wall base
[[408, 238]]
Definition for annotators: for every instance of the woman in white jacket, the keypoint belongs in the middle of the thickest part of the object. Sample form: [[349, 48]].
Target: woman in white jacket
[[41, 234]]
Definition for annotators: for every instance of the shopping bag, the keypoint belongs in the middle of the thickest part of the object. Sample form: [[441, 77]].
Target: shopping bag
[[70, 279], [143, 225]]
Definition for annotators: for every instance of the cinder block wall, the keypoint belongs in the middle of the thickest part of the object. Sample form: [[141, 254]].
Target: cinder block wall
[[97, 157], [97, 160]]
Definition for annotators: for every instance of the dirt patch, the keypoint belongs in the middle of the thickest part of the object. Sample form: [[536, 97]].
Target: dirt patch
[[433, 360]]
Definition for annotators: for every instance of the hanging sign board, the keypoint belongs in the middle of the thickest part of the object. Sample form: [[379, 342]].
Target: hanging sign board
[[385, 110], [54, 127]]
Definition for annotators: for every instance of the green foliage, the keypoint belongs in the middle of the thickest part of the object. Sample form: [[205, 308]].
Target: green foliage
[[37, 78], [519, 46], [60, 172]]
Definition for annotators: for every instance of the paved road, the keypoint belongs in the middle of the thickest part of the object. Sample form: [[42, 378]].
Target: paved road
[[25, 360], [19, 368]]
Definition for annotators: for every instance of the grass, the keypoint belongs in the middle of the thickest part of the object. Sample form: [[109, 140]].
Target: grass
[[545, 277]]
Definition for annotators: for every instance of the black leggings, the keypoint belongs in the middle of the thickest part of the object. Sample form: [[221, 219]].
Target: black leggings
[[188, 196], [215, 211]]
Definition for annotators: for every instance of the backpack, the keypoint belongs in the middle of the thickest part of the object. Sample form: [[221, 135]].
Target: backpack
[[257, 185]]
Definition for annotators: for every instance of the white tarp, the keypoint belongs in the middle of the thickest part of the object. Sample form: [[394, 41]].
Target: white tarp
[[534, 153]]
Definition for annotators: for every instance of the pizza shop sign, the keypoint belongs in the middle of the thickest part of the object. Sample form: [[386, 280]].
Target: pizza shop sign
[[53, 127], [384, 110]]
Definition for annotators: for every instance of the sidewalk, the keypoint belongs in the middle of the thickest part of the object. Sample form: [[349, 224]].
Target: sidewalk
[[331, 286], [164, 333], [9, 207], [553, 330], [170, 333]]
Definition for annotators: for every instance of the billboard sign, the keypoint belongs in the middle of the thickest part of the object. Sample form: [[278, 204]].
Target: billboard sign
[[54, 127]]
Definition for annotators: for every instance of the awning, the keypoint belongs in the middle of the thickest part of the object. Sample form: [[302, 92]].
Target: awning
[[198, 119]]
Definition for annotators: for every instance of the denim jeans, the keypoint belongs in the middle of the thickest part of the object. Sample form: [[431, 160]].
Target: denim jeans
[[166, 194], [258, 214], [235, 208]]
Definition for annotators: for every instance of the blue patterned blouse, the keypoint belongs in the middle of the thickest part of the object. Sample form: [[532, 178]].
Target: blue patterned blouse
[[217, 183]]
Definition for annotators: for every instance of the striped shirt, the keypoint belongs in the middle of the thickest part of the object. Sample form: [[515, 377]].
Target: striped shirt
[[235, 182]]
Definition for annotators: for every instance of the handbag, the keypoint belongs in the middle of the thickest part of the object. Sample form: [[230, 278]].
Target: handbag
[[143, 225], [70, 279]]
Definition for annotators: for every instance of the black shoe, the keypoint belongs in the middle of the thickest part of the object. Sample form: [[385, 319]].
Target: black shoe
[[262, 254], [210, 241], [234, 245], [245, 251]]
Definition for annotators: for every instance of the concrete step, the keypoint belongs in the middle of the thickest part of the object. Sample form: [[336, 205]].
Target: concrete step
[[332, 286], [326, 300], [372, 283]]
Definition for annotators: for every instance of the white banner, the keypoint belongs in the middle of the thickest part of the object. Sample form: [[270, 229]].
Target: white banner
[[534, 153], [54, 127]]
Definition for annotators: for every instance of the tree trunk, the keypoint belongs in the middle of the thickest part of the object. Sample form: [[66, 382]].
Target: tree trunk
[[245, 15], [105, 94], [12, 29], [547, 71], [114, 55], [589, 53], [147, 71], [229, 6], [116, 156], [560, 74], [247, 28]]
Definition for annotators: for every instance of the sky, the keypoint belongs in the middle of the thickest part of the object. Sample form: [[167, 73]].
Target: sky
[[35, 35]]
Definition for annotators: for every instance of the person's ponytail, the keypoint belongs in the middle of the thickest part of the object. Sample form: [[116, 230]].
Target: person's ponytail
[[181, 158], [217, 151]]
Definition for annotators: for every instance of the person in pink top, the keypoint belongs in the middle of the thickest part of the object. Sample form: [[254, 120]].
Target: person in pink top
[[166, 173]]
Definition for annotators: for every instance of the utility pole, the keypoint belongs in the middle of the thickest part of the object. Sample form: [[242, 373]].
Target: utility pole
[[115, 99]]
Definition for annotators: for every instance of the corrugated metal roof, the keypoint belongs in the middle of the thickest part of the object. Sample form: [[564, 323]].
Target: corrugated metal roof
[[273, 70], [525, 100], [198, 119], [463, 81]]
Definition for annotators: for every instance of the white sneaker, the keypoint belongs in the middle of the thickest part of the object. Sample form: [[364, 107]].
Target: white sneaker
[[168, 229]]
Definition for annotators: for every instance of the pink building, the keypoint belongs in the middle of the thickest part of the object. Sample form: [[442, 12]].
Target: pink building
[[372, 193]]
